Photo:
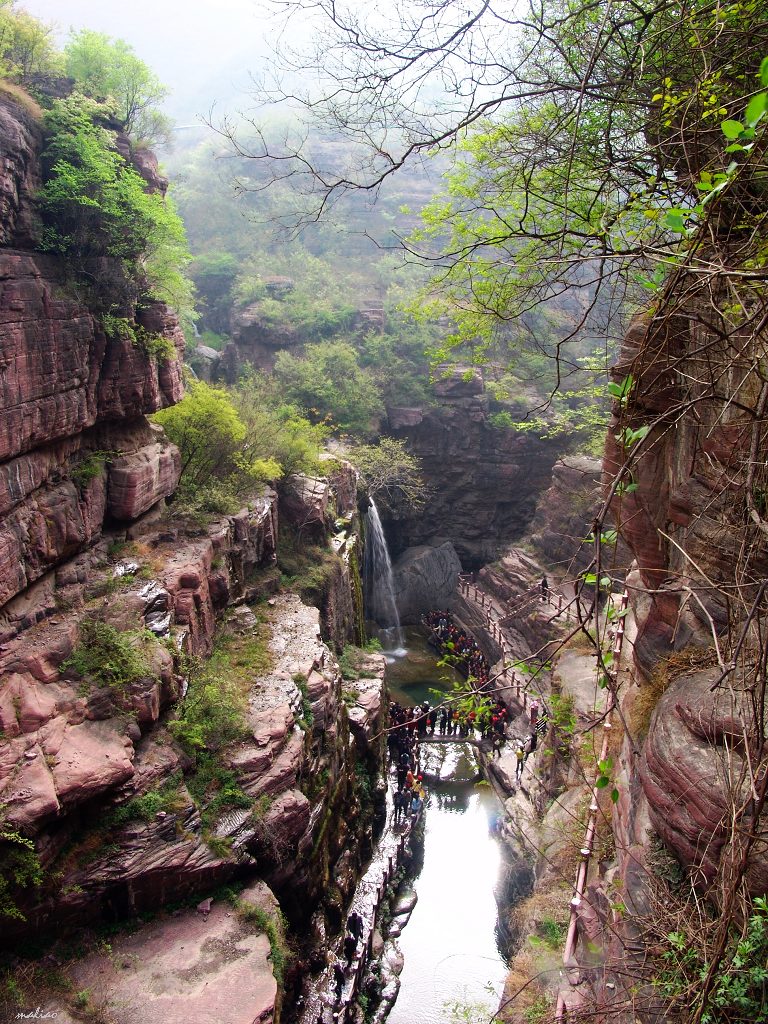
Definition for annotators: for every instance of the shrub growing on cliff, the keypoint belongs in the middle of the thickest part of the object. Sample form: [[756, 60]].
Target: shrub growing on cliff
[[214, 445], [105, 656], [212, 714], [392, 474], [19, 867], [94, 204]]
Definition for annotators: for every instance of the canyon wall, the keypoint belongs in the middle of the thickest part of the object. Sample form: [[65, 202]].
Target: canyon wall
[[118, 616], [483, 480]]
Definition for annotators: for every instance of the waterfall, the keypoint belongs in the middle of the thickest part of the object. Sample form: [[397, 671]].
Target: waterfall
[[379, 586]]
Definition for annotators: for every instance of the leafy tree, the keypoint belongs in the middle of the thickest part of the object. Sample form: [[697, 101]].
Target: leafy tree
[[328, 382], [212, 439], [26, 45], [108, 70], [392, 474], [275, 429], [95, 204]]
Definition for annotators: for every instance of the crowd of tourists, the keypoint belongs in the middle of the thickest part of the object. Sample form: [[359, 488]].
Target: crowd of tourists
[[406, 726], [453, 641]]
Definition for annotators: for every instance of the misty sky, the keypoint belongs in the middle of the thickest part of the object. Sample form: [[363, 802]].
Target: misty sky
[[202, 49]]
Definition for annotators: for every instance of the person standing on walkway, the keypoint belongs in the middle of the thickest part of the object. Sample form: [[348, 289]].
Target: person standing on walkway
[[520, 755], [338, 979], [544, 585]]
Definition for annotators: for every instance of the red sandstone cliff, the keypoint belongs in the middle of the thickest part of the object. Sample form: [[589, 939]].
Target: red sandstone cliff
[[83, 475]]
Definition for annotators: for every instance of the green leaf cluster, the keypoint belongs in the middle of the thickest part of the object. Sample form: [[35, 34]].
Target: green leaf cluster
[[106, 656], [392, 474], [109, 71], [19, 868], [213, 713], [740, 990], [27, 49], [213, 441], [275, 427], [329, 384], [94, 205]]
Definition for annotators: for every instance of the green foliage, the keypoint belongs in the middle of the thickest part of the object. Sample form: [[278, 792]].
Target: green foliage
[[329, 384], [19, 868], [539, 1012], [275, 428], [156, 346], [94, 204], [105, 656], [352, 659], [27, 49], [212, 714], [552, 932], [501, 420], [273, 927], [365, 785], [397, 357], [212, 717], [392, 475], [89, 467], [214, 275], [306, 568], [562, 720], [218, 460], [215, 789], [307, 714], [108, 70], [741, 982], [82, 999], [146, 806]]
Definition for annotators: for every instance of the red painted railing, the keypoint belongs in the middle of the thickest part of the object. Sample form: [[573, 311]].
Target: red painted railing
[[509, 678], [561, 1010]]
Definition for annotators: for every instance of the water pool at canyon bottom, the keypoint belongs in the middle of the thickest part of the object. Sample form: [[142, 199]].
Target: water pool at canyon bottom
[[455, 944]]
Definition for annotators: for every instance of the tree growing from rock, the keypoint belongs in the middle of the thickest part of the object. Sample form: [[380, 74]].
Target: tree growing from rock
[[108, 70], [392, 475]]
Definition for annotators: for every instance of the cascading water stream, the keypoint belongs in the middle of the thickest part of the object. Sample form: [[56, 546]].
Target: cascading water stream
[[379, 585]]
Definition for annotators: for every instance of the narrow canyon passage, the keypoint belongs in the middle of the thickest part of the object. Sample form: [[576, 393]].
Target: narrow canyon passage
[[456, 942]]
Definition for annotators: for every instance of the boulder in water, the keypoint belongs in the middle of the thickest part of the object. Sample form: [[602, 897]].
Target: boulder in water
[[425, 578]]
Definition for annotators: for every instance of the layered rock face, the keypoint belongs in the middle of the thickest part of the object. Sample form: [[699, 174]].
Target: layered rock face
[[203, 964], [75, 448], [126, 811], [699, 558], [695, 772], [485, 479]]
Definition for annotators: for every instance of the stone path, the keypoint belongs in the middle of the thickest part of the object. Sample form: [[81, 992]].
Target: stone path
[[321, 1006]]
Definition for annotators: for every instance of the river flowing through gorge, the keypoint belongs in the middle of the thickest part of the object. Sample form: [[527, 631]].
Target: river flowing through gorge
[[455, 944]]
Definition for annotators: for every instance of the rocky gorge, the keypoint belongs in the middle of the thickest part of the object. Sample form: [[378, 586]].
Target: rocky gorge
[[193, 778], [115, 618]]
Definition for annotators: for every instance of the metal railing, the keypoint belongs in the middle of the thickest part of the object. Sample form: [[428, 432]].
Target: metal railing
[[509, 678], [561, 1010]]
